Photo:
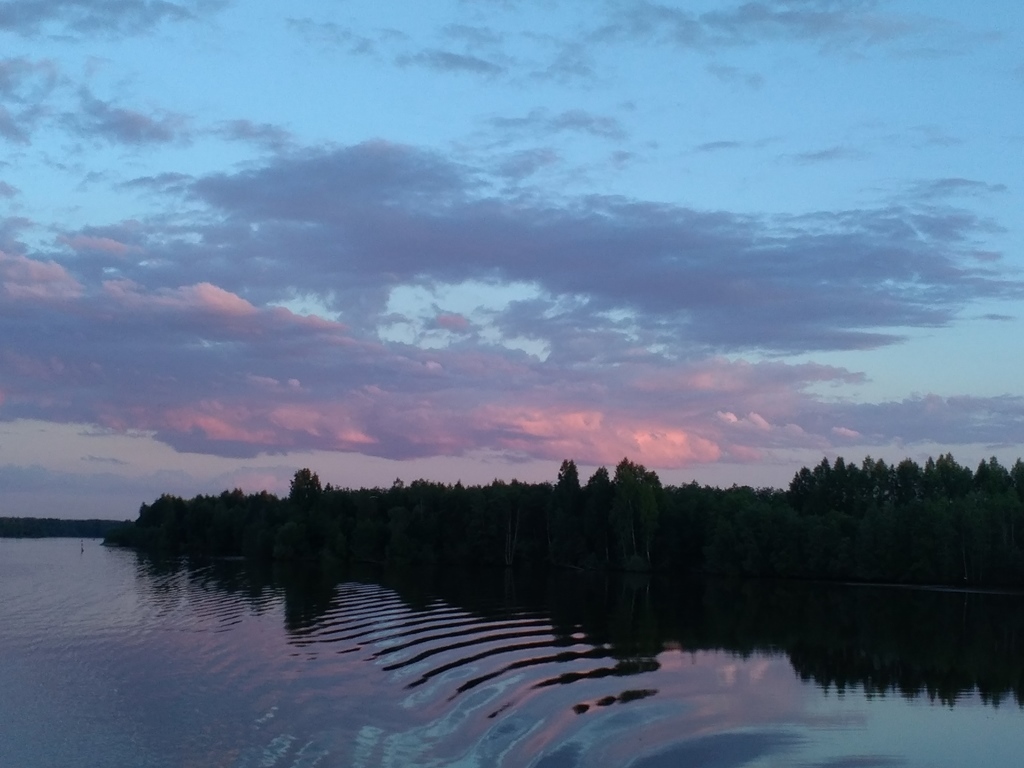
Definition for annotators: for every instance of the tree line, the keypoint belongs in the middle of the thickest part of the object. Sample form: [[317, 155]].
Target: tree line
[[48, 527], [938, 524]]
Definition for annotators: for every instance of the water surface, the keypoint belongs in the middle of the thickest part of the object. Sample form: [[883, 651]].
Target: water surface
[[107, 658]]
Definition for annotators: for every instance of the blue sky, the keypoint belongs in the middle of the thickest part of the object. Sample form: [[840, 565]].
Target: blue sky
[[469, 239]]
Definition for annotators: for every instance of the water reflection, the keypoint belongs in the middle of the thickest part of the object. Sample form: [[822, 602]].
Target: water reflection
[[568, 627], [221, 664]]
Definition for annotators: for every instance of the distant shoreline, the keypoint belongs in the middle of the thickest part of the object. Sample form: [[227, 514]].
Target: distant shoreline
[[55, 528]]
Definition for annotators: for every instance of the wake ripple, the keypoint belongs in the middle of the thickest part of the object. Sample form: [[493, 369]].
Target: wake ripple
[[475, 677]]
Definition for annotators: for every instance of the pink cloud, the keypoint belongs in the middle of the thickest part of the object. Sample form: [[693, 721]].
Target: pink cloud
[[465, 404], [662, 447], [594, 437], [451, 321], [228, 311], [332, 424], [290, 382], [744, 453], [298, 418], [209, 298], [217, 422], [255, 423], [758, 421], [294, 384], [29, 279], [201, 297], [752, 420]]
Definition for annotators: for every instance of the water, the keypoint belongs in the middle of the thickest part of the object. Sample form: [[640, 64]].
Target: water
[[110, 659]]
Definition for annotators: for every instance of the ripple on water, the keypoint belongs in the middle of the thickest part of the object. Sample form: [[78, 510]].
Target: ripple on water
[[475, 683]]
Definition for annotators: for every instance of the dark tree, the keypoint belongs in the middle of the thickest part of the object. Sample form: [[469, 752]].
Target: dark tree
[[305, 489]]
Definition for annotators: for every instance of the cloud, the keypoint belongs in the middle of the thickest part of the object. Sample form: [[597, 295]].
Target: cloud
[[930, 135], [12, 231], [572, 63], [832, 25], [585, 122], [25, 86], [594, 436], [385, 215], [314, 186], [105, 460], [827, 155], [216, 385], [603, 336], [14, 128], [227, 382], [730, 144], [165, 183], [524, 163], [201, 297], [449, 61], [334, 36], [264, 135], [452, 321], [26, 279], [24, 80], [104, 17], [831, 21], [954, 187], [931, 418], [101, 119], [83, 243], [234, 379], [718, 146], [480, 54]]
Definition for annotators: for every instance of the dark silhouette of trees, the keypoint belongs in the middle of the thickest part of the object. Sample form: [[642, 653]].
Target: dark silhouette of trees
[[305, 489], [634, 513], [48, 527], [936, 524], [565, 541]]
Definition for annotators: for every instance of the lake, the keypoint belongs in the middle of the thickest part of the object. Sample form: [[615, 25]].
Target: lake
[[110, 658]]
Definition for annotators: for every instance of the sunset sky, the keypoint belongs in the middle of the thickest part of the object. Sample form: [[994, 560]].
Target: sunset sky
[[469, 239]]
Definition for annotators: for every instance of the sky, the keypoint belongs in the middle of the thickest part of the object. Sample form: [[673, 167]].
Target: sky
[[468, 239]]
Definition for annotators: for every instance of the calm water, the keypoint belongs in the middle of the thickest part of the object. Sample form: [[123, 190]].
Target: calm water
[[109, 659]]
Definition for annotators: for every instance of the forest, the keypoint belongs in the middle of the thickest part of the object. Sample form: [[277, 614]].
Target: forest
[[942, 523]]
